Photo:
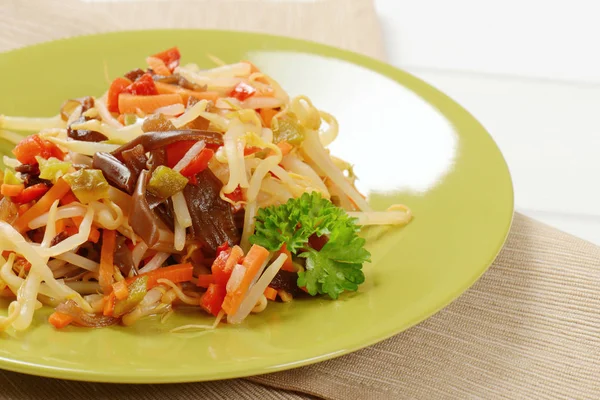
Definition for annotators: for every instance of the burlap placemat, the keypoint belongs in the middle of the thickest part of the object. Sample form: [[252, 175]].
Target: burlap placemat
[[527, 329]]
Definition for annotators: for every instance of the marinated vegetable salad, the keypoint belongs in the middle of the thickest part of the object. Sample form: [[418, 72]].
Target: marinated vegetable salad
[[178, 187]]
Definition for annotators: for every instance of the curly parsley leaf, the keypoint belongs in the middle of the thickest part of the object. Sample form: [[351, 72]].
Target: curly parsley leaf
[[333, 269]]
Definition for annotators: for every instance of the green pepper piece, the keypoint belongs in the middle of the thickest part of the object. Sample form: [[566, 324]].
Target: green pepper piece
[[52, 168], [165, 182], [10, 178], [88, 185], [137, 292], [129, 119], [288, 130]]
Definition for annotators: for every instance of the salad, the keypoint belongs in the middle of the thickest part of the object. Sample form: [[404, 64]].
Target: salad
[[178, 187]]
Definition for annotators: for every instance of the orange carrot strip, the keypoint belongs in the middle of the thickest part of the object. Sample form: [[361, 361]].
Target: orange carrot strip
[[285, 148], [59, 320], [120, 290], [255, 258], [105, 274], [60, 225], [158, 66], [68, 199], [270, 293], [94, 235], [23, 208], [175, 273], [148, 104], [267, 115], [56, 192], [287, 265], [166, 88], [11, 190], [109, 304]]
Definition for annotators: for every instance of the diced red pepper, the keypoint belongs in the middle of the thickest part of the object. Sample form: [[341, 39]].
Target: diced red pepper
[[198, 163], [317, 242], [116, 88], [224, 247], [31, 193], [242, 91], [170, 57], [33, 146], [220, 272], [143, 86], [212, 300], [176, 151], [236, 195]]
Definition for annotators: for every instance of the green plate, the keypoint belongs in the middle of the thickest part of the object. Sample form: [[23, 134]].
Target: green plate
[[410, 143]]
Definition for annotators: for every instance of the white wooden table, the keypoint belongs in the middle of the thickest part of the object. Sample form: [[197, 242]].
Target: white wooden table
[[529, 70]]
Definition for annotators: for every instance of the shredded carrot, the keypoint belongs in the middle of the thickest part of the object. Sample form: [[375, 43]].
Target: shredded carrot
[[255, 258], [94, 235], [270, 293], [158, 66], [175, 273], [267, 115], [121, 119], [205, 279], [147, 104], [166, 88], [105, 274], [23, 208], [109, 304], [287, 265], [60, 225], [11, 190], [68, 199], [59, 320], [120, 290], [56, 192], [285, 147]]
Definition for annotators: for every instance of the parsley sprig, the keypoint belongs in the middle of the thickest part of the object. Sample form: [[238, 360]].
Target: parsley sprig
[[337, 267]]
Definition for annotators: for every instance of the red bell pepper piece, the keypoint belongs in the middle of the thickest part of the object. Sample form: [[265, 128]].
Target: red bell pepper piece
[[170, 57], [31, 193], [212, 300], [33, 146], [224, 247], [198, 163], [220, 272], [176, 151], [242, 91], [116, 88], [143, 86], [236, 195]]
